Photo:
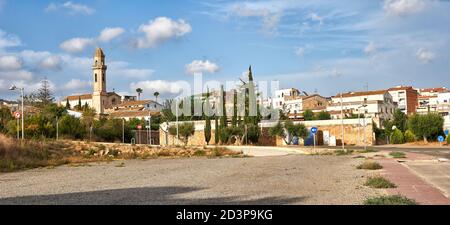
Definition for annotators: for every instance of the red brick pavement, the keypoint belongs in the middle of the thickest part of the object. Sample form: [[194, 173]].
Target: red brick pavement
[[411, 185]]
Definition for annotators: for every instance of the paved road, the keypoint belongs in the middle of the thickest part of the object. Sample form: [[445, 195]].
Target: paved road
[[435, 173], [292, 179]]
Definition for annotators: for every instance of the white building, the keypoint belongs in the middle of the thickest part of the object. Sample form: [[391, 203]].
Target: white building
[[374, 104], [443, 108], [280, 96]]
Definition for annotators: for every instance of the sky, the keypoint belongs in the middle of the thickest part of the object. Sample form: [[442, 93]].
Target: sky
[[323, 46]]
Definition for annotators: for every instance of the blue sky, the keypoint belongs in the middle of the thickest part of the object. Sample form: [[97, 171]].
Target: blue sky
[[322, 45]]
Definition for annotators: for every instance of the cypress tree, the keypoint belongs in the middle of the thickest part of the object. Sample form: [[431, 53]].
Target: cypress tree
[[217, 131], [208, 122], [79, 103], [223, 121], [235, 111], [67, 104]]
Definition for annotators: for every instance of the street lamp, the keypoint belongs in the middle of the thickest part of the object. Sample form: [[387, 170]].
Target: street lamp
[[14, 88]]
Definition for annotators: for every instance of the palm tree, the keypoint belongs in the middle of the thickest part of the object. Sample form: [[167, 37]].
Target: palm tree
[[139, 91], [156, 94]]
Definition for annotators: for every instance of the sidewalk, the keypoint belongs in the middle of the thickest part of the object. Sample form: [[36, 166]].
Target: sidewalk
[[411, 185]]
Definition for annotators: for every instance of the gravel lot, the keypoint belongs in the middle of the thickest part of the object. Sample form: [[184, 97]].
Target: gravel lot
[[291, 179]]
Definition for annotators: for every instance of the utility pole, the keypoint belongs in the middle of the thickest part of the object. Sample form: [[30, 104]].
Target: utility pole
[[23, 130], [178, 135], [342, 123]]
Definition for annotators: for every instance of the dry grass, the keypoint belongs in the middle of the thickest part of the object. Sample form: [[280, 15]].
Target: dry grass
[[369, 165], [34, 154]]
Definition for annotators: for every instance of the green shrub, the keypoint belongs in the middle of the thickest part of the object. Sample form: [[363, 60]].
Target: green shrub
[[369, 165], [368, 150], [199, 153], [409, 136], [448, 139], [390, 200], [397, 137], [398, 155], [379, 182]]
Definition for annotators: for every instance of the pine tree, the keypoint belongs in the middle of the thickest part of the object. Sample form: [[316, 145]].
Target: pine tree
[[45, 95]]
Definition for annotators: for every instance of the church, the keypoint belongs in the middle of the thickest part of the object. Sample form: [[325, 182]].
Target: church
[[100, 99]]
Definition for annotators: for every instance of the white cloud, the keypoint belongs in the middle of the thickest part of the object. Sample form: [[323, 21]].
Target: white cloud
[[122, 69], [108, 34], [76, 84], [370, 49], [270, 18], [314, 17], [16, 75], [8, 40], [200, 66], [75, 45], [425, 55], [78, 44], [404, 7], [160, 30], [72, 8], [51, 62], [300, 51], [161, 86], [10, 63]]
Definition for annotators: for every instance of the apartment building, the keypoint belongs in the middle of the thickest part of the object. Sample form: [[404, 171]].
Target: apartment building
[[443, 108], [406, 97], [378, 105], [428, 99]]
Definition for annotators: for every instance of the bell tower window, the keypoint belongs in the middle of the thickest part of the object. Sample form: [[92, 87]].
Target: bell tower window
[[95, 78]]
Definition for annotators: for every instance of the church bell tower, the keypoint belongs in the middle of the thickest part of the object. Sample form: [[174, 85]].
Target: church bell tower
[[99, 97]]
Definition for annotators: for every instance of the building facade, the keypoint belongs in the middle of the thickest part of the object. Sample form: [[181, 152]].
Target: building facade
[[406, 98], [100, 99]]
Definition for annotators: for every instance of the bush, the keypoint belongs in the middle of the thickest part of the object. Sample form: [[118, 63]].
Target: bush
[[398, 155], [397, 137], [379, 182], [390, 200], [369, 165], [409, 136], [426, 126], [342, 152], [448, 139]]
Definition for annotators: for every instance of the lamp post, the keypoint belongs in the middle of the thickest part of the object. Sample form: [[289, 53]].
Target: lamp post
[[13, 88], [123, 130], [359, 124]]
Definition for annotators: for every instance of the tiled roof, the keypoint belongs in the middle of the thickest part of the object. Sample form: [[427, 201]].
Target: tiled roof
[[439, 89], [400, 88], [133, 114], [356, 94], [76, 97], [135, 103]]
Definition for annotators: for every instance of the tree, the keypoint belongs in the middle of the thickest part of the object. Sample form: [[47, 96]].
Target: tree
[[397, 137], [216, 131], [409, 136], [44, 94], [5, 117], [68, 104], [324, 115], [426, 126], [400, 120], [72, 127], [288, 131], [156, 94], [185, 130], [139, 92], [208, 122], [308, 115], [79, 107], [448, 139], [234, 120]]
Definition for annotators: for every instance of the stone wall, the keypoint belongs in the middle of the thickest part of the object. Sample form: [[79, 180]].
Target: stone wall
[[354, 133]]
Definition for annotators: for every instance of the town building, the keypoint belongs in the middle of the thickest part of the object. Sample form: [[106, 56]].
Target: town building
[[100, 99], [443, 108], [406, 98], [377, 105], [428, 99]]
